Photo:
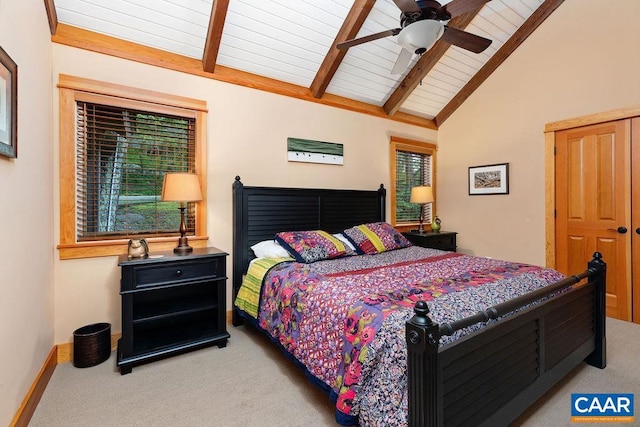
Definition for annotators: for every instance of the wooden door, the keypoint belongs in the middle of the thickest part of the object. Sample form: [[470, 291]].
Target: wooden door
[[635, 216], [593, 206]]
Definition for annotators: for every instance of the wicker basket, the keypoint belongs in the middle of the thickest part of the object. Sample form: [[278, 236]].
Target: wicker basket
[[91, 345]]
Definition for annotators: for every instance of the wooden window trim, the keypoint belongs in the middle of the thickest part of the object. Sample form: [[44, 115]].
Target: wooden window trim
[[73, 89], [403, 144]]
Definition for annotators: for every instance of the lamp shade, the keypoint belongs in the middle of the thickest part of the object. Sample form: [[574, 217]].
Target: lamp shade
[[181, 187], [420, 36], [421, 194]]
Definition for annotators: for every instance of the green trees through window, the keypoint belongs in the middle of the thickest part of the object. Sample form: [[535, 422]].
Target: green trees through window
[[122, 156], [412, 163], [413, 169]]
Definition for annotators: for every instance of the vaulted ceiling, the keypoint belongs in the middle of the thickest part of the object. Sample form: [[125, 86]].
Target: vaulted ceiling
[[290, 47]]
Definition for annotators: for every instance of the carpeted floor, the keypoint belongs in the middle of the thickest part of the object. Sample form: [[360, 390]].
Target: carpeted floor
[[250, 383]]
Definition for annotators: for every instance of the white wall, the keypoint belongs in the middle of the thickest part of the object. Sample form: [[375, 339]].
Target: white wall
[[571, 66], [247, 136], [583, 59], [26, 251]]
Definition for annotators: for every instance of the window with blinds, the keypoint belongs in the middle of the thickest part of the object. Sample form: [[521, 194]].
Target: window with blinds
[[411, 163], [122, 155], [412, 169]]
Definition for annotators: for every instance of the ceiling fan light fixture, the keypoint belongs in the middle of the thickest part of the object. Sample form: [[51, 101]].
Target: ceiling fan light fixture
[[420, 36]]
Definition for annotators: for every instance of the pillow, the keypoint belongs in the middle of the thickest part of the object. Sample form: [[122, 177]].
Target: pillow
[[311, 246], [346, 241], [375, 237], [269, 249]]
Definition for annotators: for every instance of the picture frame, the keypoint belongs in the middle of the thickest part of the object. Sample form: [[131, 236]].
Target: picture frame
[[8, 106], [489, 179], [311, 151]]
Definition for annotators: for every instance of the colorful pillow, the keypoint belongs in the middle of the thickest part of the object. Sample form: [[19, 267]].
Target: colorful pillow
[[311, 246], [376, 237]]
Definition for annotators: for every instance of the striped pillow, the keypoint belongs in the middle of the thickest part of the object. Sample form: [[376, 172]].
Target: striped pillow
[[376, 237]]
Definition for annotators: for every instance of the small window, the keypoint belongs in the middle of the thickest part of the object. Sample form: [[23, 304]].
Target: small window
[[123, 155], [412, 164], [114, 153]]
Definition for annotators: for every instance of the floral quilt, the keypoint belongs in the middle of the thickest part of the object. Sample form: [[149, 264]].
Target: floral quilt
[[344, 319]]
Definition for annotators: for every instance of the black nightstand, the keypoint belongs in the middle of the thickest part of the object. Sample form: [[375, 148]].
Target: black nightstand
[[444, 240], [171, 304]]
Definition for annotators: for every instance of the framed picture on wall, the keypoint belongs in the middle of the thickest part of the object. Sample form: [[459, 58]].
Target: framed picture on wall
[[8, 106], [310, 151], [489, 179]]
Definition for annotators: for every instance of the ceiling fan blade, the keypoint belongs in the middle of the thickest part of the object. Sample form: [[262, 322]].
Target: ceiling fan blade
[[468, 41], [404, 58], [371, 37], [458, 7], [408, 6]]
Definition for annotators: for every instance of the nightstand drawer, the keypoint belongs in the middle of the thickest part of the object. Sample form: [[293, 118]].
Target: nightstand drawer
[[176, 272], [443, 241]]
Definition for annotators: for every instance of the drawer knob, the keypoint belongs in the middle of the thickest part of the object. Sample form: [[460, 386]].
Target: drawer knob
[[178, 273]]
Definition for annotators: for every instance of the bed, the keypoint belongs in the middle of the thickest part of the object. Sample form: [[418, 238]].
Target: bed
[[484, 367]]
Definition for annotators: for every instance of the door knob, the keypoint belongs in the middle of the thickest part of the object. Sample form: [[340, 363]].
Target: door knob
[[622, 230], [638, 230]]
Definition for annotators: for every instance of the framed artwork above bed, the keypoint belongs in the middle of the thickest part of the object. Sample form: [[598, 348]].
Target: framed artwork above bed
[[310, 151]]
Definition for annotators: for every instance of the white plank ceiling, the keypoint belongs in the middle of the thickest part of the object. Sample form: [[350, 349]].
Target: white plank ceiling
[[287, 40]]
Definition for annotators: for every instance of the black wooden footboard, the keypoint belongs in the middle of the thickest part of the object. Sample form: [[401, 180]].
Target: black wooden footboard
[[491, 376]]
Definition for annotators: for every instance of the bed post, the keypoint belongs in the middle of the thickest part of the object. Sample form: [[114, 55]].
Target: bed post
[[238, 246], [382, 204], [599, 278], [423, 375]]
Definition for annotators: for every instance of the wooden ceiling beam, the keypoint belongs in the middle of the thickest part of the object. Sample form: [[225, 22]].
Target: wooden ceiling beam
[[350, 27], [521, 34], [107, 45], [52, 16], [424, 65], [214, 34]]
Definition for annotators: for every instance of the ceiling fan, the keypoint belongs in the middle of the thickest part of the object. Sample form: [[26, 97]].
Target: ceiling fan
[[421, 26]]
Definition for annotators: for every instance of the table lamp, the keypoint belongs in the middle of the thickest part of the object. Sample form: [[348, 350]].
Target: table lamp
[[421, 195], [181, 187]]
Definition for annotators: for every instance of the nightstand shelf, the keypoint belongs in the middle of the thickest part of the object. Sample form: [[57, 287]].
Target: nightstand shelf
[[177, 311], [171, 304], [173, 338], [444, 240]]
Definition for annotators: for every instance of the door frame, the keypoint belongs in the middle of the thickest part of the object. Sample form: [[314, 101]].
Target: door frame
[[550, 180]]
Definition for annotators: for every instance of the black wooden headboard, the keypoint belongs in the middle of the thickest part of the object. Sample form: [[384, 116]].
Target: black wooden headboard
[[261, 212]]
